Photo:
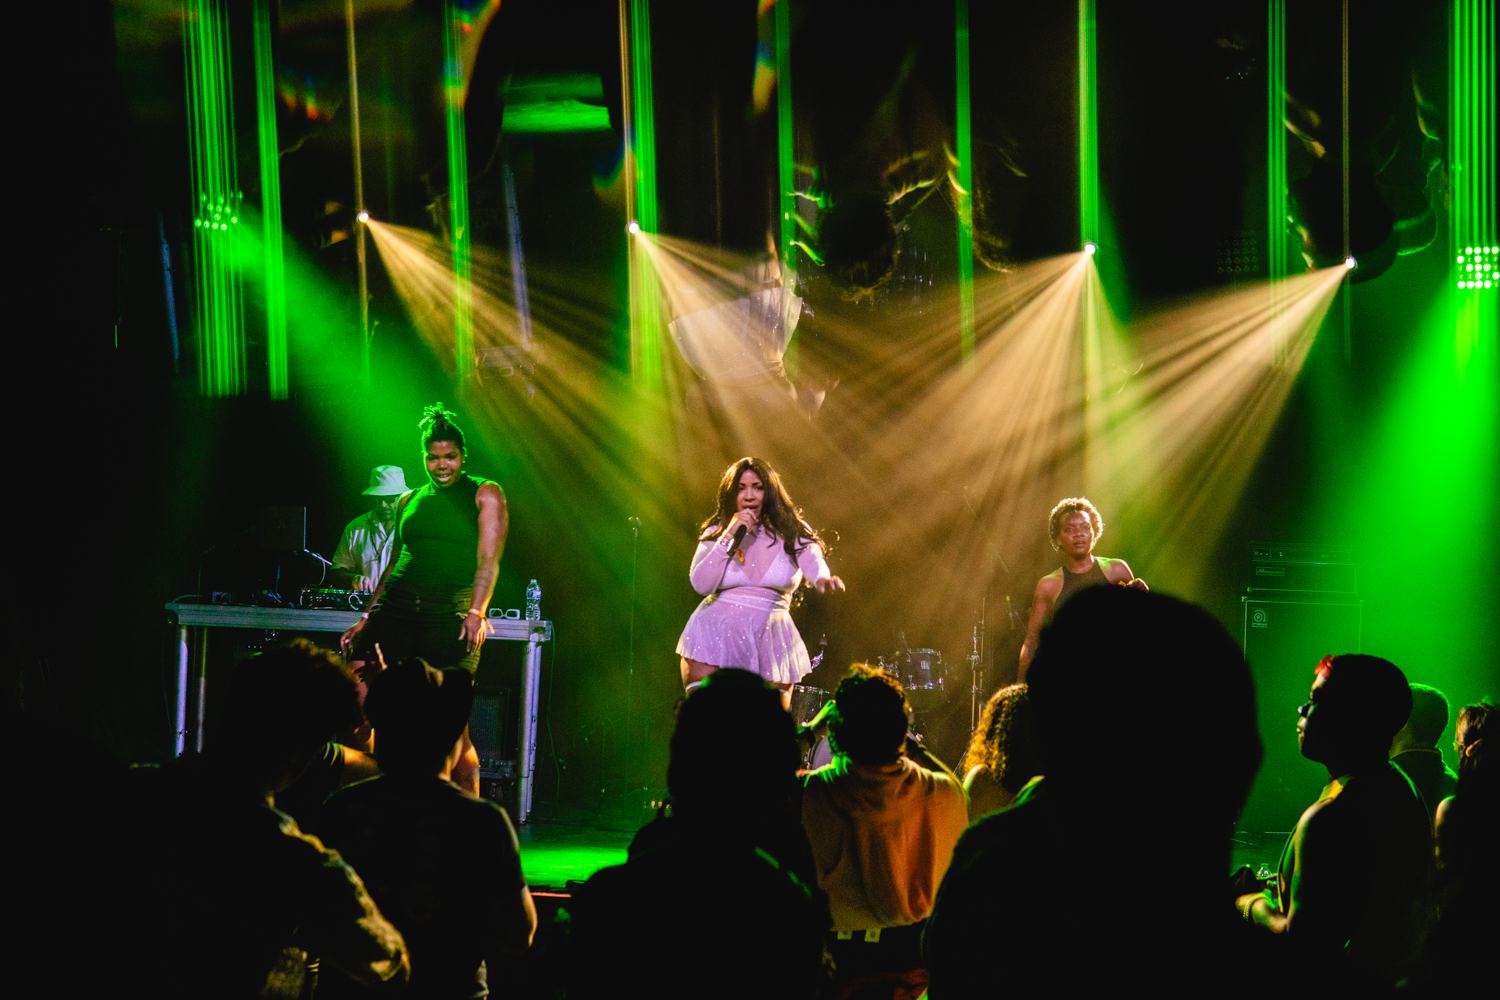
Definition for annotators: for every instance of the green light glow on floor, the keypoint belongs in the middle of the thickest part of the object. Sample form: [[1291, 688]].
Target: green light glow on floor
[[964, 143], [1473, 233], [270, 197], [786, 170], [554, 855], [220, 307], [454, 22], [1088, 126], [641, 201]]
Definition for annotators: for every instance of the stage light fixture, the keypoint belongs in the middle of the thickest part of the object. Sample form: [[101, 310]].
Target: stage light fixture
[[1350, 263], [1091, 248], [633, 228], [1478, 267], [362, 216], [216, 219]]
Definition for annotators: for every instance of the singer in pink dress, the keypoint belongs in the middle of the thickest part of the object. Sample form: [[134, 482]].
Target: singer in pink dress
[[753, 553]]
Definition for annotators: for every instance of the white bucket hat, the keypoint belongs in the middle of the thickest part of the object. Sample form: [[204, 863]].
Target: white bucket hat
[[386, 481]]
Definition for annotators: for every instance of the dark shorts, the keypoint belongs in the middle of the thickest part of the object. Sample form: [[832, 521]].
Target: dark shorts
[[401, 635]]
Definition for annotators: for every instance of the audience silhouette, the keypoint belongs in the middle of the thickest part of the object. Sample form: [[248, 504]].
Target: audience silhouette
[[222, 894], [1110, 869], [1468, 850], [443, 865], [1106, 790], [705, 906], [1354, 877], [1415, 751]]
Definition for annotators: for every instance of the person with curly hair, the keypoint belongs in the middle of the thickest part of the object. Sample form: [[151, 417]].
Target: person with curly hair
[[882, 819], [1000, 760], [1468, 855], [1074, 526]]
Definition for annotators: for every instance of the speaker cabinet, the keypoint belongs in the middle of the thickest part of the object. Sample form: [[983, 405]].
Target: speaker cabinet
[[1284, 638], [495, 742]]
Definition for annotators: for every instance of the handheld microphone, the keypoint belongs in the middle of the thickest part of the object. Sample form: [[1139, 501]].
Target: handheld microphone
[[739, 536]]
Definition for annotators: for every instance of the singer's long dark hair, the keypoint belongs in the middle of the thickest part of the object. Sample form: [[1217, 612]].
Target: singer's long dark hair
[[777, 511]]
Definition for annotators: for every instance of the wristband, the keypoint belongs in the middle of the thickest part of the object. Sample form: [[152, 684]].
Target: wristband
[[365, 616], [475, 611]]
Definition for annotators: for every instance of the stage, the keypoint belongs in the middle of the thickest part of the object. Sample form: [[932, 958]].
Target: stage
[[555, 854]]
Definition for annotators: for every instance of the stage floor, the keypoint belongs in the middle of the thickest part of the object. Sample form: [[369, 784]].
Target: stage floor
[[554, 853]]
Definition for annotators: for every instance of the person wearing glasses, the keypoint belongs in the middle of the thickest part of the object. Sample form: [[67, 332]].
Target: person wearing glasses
[[1352, 883]]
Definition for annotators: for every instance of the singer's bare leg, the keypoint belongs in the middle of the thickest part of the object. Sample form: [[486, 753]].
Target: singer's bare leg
[[695, 672]]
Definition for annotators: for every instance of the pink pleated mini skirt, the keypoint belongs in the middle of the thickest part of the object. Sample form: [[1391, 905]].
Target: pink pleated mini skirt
[[749, 628]]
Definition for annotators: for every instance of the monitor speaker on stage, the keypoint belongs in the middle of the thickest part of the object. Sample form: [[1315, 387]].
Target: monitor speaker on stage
[[495, 745], [1284, 638]]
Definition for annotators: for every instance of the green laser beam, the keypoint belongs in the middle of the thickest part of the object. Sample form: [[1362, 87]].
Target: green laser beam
[[964, 148], [1473, 233], [645, 296], [270, 198], [218, 297], [1088, 125], [454, 20], [786, 171]]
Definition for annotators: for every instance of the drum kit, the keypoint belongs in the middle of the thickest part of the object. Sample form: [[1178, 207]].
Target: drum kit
[[807, 702], [928, 681]]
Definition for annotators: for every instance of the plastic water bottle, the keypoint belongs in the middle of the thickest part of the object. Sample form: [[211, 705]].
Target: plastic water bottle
[[533, 602]]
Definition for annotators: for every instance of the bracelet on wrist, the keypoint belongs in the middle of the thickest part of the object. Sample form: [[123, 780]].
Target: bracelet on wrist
[[365, 616], [475, 611]]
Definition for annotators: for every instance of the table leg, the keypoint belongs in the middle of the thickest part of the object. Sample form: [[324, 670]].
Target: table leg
[[179, 716], [200, 681], [530, 685]]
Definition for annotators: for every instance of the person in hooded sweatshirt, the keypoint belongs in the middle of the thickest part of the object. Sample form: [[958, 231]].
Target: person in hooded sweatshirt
[[882, 818]]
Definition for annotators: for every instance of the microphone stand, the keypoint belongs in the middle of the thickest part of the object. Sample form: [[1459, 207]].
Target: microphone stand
[[976, 668], [327, 565], [977, 653], [631, 757]]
